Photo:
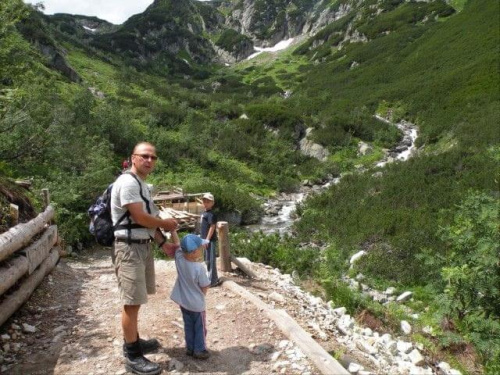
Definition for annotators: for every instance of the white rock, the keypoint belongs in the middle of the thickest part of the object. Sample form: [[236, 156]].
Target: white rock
[[367, 332], [28, 328], [428, 330], [391, 347], [356, 256], [404, 347], [415, 370], [416, 358], [5, 337], [346, 321], [365, 347], [275, 296], [444, 366], [283, 344], [405, 327], [275, 356], [390, 291], [403, 366], [175, 365], [385, 338], [340, 311], [353, 368], [404, 297]]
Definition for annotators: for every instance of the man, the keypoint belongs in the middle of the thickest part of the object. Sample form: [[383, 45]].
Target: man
[[136, 223], [209, 232]]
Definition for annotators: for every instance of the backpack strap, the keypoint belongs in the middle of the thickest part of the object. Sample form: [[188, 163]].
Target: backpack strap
[[131, 226]]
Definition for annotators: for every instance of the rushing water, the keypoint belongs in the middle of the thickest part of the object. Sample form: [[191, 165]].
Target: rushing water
[[280, 211]]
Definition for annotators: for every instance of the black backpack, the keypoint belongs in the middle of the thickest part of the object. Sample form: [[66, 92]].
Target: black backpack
[[101, 224]]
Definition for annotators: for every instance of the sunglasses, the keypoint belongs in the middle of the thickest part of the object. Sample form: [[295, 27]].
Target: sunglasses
[[147, 157]]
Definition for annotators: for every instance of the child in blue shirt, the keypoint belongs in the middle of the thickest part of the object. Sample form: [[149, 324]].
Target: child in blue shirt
[[189, 292]]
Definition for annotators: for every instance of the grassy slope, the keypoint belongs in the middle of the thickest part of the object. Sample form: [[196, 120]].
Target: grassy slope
[[447, 80]]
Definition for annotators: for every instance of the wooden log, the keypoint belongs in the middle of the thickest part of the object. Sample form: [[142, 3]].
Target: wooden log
[[244, 268], [23, 183], [224, 252], [14, 213], [12, 271], [290, 328], [20, 235], [38, 251], [14, 301]]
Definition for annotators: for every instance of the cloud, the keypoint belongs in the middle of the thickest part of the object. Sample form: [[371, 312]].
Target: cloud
[[114, 11]]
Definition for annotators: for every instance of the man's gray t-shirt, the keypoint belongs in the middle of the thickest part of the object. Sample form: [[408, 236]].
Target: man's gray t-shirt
[[191, 277], [125, 191]]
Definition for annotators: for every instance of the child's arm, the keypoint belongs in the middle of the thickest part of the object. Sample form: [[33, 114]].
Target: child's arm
[[174, 237], [211, 231], [204, 290], [170, 248]]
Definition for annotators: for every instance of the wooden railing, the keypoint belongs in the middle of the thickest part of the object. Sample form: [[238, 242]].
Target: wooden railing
[[27, 255]]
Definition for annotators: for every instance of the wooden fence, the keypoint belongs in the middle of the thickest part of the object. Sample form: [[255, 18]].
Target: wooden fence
[[27, 255]]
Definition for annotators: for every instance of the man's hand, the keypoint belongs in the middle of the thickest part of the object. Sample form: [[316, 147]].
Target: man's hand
[[169, 224]]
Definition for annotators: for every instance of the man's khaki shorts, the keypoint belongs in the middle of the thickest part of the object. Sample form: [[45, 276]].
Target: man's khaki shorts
[[135, 271]]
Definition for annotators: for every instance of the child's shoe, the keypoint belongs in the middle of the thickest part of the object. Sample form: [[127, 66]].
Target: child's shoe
[[201, 355]]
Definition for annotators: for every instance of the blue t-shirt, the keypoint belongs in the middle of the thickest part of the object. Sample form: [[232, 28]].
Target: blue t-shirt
[[191, 277]]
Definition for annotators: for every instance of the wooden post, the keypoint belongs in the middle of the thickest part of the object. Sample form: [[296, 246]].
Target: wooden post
[[225, 254], [14, 214], [46, 198]]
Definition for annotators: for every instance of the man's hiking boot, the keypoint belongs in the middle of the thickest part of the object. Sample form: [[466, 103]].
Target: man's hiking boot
[[136, 363], [149, 346]]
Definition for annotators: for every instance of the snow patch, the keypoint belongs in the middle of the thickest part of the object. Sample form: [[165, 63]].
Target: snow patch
[[278, 47]]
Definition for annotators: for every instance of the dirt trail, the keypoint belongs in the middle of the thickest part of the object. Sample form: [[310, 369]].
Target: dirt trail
[[76, 313]]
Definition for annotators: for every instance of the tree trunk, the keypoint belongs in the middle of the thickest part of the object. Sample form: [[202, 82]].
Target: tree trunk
[[20, 235], [12, 271], [244, 268], [38, 251], [14, 301]]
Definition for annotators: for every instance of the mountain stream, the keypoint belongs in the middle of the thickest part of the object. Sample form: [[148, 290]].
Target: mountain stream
[[280, 212]]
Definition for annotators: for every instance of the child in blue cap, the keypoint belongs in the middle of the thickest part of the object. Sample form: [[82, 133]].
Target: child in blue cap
[[189, 292]]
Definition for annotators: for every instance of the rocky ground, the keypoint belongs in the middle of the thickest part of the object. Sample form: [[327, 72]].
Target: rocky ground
[[71, 325]]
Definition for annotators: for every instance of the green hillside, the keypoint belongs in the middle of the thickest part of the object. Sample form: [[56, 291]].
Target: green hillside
[[73, 104]]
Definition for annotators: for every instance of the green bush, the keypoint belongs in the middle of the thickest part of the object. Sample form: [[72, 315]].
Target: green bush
[[283, 253], [472, 272]]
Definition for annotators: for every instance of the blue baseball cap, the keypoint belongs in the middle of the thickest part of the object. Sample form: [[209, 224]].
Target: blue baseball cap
[[191, 242]]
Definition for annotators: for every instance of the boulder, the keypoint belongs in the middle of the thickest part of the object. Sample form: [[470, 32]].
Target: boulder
[[416, 358], [364, 149], [405, 327], [404, 297], [356, 256]]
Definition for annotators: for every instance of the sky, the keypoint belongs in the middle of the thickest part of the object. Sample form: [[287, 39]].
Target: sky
[[114, 11]]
